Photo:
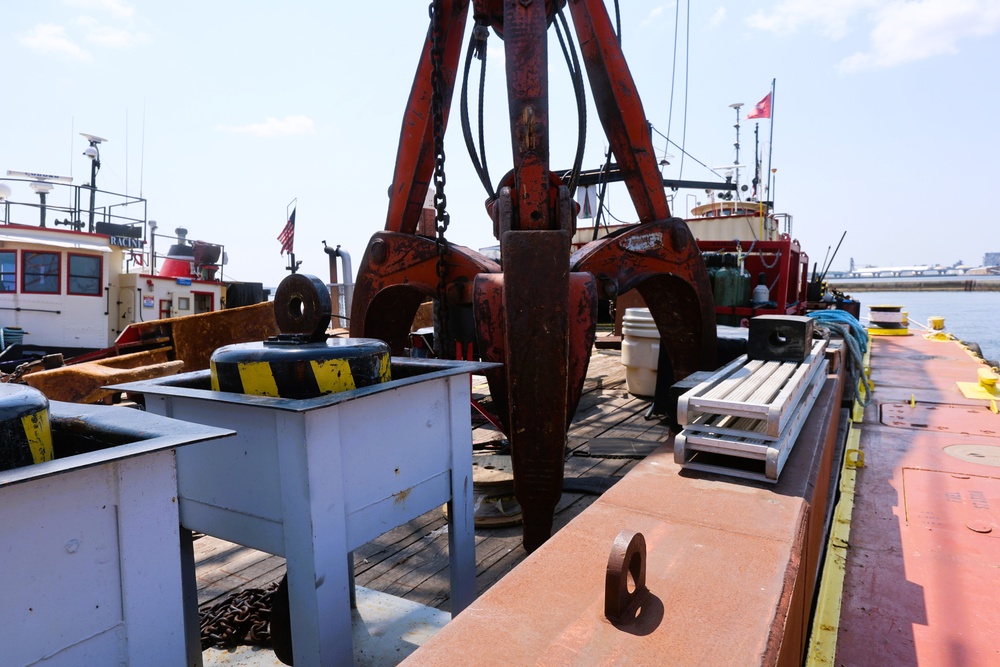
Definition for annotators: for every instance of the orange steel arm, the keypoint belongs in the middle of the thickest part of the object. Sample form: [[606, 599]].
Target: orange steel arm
[[415, 155], [620, 108]]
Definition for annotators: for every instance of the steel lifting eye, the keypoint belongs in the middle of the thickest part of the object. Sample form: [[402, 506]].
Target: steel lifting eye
[[625, 581]]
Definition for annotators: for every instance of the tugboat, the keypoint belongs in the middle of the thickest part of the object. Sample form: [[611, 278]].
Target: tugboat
[[78, 265]]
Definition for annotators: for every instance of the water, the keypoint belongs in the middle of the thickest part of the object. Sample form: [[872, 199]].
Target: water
[[973, 317]]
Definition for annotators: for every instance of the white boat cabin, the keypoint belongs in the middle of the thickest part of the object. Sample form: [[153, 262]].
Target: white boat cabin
[[74, 285]]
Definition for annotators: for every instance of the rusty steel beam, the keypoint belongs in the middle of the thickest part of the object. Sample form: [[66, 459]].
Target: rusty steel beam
[[527, 63], [536, 294], [488, 307], [662, 262], [82, 383], [397, 273], [537, 351], [538, 316], [619, 108], [415, 154]]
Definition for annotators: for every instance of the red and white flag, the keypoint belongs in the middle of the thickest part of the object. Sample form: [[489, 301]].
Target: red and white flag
[[287, 235], [763, 108]]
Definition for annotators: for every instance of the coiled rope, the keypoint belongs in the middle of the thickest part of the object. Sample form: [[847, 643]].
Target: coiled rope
[[856, 340]]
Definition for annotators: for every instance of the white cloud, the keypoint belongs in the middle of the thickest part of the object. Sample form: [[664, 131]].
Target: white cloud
[[910, 31], [652, 16], [718, 17], [272, 127], [900, 31], [832, 16], [116, 8], [107, 36], [51, 39]]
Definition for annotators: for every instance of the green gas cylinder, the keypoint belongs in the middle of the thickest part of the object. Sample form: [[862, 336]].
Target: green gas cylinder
[[727, 288]]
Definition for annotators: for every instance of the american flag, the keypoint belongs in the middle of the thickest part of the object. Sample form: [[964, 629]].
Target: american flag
[[287, 235]]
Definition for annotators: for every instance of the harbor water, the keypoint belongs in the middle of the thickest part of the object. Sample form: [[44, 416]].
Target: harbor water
[[973, 317]]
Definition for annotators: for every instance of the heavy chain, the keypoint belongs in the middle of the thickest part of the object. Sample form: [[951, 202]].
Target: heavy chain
[[441, 217], [242, 618]]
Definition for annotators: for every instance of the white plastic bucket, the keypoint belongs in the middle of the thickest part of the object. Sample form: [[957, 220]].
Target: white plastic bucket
[[640, 351]]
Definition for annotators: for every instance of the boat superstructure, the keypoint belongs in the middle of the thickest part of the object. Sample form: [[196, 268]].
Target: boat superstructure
[[79, 265]]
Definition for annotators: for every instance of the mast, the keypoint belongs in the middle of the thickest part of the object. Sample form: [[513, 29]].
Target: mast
[[770, 146]]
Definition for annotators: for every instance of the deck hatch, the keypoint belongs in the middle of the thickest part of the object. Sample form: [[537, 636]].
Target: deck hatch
[[938, 500], [974, 420]]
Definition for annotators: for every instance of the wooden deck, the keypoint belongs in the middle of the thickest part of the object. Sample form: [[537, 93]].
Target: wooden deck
[[608, 435]]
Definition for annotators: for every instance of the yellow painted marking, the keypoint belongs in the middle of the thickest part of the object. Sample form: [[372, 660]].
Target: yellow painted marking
[[36, 429], [993, 407], [257, 378], [215, 377], [913, 400], [826, 619], [333, 375], [384, 371], [977, 391]]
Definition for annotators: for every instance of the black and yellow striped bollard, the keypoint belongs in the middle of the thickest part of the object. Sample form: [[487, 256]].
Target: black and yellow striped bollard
[[25, 436]]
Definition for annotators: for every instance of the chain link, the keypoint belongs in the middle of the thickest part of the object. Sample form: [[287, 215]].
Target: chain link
[[441, 216], [242, 618]]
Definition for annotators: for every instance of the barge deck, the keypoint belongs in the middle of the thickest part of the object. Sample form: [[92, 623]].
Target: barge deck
[[920, 572], [608, 437], [908, 578]]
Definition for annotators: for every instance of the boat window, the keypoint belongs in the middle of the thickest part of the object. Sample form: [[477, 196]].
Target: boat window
[[84, 275], [8, 271], [41, 272], [204, 302]]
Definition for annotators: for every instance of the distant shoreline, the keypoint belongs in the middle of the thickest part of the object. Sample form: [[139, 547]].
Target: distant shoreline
[[918, 284]]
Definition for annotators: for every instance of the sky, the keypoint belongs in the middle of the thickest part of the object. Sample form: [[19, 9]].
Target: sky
[[222, 112]]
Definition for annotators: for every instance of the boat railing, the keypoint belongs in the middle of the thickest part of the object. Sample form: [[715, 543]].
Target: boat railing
[[786, 218], [43, 203], [209, 259]]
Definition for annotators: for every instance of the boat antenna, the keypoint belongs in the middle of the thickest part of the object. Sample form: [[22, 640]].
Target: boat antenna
[[687, 78], [770, 147], [834, 255], [142, 147], [756, 159], [736, 106], [126, 150], [93, 153]]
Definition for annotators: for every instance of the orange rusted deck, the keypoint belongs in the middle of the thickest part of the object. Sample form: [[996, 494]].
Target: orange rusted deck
[[923, 561], [731, 568]]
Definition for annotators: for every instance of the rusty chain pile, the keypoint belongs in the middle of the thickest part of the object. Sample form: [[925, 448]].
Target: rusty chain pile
[[242, 618]]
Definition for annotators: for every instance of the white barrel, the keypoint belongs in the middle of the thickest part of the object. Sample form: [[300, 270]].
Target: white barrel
[[640, 351]]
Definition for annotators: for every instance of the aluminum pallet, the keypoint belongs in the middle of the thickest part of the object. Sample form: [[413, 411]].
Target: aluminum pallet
[[743, 421]]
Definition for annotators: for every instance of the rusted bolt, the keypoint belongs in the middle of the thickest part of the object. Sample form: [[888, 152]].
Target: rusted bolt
[[625, 580], [609, 287], [378, 251], [678, 238]]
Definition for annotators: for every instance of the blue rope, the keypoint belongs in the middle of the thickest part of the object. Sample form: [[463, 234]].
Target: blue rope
[[859, 333], [856, 340]]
